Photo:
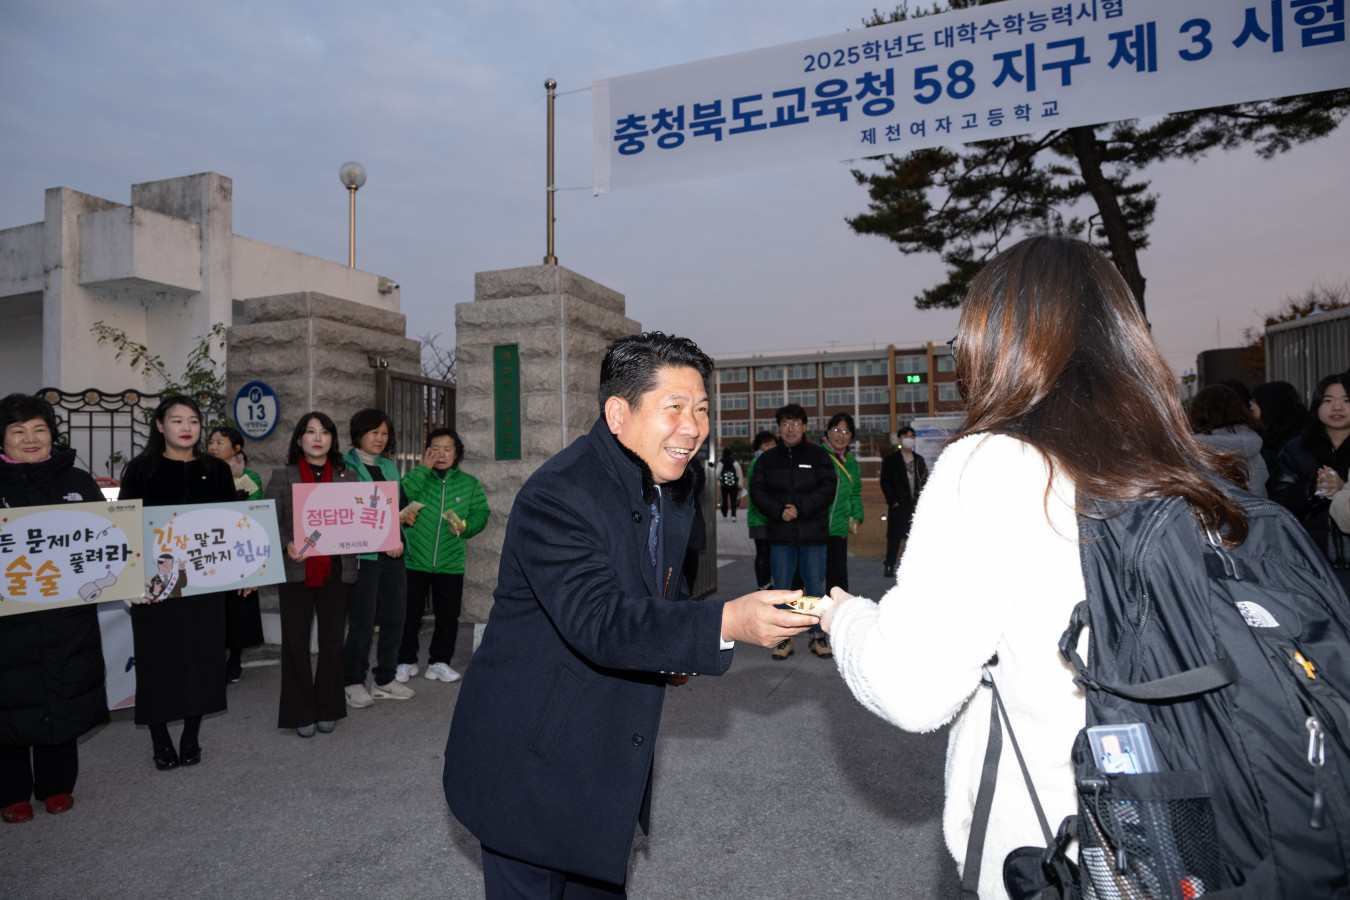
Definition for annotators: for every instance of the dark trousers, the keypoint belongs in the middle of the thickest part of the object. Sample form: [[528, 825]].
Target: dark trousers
[[731, 498], [39, 772], [381, 584], [898, 519], [312, 695], [505, 878], [763, 573], [447, 592], [836, 563]]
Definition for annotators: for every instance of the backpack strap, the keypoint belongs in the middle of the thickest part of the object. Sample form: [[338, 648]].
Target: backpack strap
[[984, 798], [1200, 680]]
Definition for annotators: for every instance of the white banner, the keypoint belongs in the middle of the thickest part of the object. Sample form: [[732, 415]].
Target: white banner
[[1012, 68]]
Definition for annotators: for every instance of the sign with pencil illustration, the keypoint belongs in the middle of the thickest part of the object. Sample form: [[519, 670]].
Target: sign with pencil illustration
[[204, 547], [69, 555], [333, 518]]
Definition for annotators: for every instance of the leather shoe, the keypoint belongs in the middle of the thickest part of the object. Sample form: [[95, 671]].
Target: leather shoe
[[17, 812], [59, 803], [166, 759], [189, 754]]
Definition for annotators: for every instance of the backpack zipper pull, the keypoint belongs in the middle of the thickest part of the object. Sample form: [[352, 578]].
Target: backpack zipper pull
[[1316, 759]]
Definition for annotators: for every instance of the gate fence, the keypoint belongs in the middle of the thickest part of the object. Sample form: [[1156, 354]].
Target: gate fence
[[418, 406]]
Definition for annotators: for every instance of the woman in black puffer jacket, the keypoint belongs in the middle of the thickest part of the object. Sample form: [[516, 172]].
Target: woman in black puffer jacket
[[51, 662]]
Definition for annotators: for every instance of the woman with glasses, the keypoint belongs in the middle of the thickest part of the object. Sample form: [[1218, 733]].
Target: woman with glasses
[[846, 513], [1055, 363]]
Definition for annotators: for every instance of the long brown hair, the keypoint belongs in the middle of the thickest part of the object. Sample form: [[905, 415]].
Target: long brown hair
[[1053, 350]]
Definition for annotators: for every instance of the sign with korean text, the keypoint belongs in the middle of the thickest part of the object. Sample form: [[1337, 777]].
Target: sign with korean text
[[992, 71], [204, 547], [69, 555], [506, 400], [333, 518], [255, 409]]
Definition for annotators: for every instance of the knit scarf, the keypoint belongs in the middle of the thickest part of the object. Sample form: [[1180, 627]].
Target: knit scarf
[[317, 568]]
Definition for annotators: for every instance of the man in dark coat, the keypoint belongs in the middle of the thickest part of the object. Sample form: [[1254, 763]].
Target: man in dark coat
[[549, 757], [794, 486], [903, 474]]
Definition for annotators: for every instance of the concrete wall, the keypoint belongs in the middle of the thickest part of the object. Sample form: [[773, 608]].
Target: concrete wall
[[562, 323], [266, 270], [20, 260]]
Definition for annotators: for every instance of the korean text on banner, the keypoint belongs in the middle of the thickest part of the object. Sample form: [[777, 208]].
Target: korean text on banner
[[69, 555], [204, 547], [1019, 67], [340, 517]]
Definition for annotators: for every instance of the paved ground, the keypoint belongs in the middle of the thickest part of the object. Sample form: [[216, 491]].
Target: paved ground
[[771, 782]]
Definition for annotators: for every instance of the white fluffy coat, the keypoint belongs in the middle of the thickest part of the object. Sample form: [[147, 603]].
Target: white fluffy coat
[[992, 566]]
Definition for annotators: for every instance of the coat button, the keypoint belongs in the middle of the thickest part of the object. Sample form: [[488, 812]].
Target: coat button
[[637, 516], [637, 739]]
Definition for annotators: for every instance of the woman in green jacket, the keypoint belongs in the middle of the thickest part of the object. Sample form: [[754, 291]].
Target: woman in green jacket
[[846, 512], [381, 580], [446, 508]]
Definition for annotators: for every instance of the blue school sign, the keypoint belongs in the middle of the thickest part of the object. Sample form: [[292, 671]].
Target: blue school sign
[[255, 410]]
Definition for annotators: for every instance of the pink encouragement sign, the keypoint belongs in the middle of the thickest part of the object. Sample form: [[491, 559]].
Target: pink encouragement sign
[[345, 517]]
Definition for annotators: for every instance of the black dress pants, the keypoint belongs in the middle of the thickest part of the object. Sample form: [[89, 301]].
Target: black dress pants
[[312, 694], [447, 594], [40, 772]]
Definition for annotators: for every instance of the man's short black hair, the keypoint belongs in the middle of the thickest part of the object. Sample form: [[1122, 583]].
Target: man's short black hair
[[631, 363], [790, 411]]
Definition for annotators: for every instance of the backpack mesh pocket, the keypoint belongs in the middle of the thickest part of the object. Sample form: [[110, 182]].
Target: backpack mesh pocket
[[1146, 837]]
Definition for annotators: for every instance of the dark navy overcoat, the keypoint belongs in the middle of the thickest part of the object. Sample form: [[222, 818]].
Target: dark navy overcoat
[[549, 757]]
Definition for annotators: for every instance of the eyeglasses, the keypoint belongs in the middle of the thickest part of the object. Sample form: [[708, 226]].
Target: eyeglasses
[[951, 345], [840, 431]]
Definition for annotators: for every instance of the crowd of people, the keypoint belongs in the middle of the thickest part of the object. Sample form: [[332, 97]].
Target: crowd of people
[[187, 649]]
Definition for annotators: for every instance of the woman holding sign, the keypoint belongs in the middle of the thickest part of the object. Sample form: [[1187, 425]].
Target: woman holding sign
[[178, 640], [446, 507], [51, 662], [316, 586]]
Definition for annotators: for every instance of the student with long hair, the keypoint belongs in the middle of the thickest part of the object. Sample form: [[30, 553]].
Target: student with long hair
[[1222, 421], [316, 587], [178, 640], [1281, 413], [51, 661], [1069, 404], [1312, 468]]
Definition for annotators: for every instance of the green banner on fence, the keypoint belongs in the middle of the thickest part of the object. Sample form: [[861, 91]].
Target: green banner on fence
[[506, 399]]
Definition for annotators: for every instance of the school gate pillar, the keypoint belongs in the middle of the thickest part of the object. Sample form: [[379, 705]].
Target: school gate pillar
[[316, 351], [560, 324]]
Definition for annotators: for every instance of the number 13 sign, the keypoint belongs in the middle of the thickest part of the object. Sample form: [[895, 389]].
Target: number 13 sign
[[255, 409]]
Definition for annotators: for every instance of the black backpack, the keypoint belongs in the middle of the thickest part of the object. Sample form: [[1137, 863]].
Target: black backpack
[[1237, 663], [728, 475]]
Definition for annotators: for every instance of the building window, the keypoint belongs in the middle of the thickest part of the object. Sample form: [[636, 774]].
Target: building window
[[735, 401], [733, 376], [799, 371], [805, 398], [946, 364], [911, 393], [769, 373], [734, 429], [911, 364], [841, 369], [839, 397], [768, 399], [871, 367], [874, 424], [874, 395], [768, 425], [948, 393]]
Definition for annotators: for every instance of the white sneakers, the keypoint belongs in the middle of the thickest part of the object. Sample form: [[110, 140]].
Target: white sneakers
[[392, 691], [404, 672], [441, 672], [357, 696]]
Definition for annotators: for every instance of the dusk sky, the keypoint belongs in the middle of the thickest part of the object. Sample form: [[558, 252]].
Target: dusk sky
[[443, 105]]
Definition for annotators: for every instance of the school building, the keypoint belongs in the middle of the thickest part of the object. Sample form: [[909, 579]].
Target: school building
[[883, 386]]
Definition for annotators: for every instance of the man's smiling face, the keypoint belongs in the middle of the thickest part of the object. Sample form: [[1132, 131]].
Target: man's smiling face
[[668, 425]]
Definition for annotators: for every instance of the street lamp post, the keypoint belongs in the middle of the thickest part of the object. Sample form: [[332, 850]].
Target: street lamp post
[[353, 175]]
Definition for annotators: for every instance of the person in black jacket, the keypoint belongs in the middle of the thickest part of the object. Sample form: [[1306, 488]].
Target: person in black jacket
[[51, 662], [1311, 468], [179, 641], [903, 474], [794, 485]]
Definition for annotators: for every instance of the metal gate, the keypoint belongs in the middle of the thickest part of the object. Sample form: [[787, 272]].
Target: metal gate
[[417, 405], [1306, 350]]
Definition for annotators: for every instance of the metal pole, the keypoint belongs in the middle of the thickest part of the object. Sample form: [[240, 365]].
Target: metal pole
[[351, 227], [549, 258]]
